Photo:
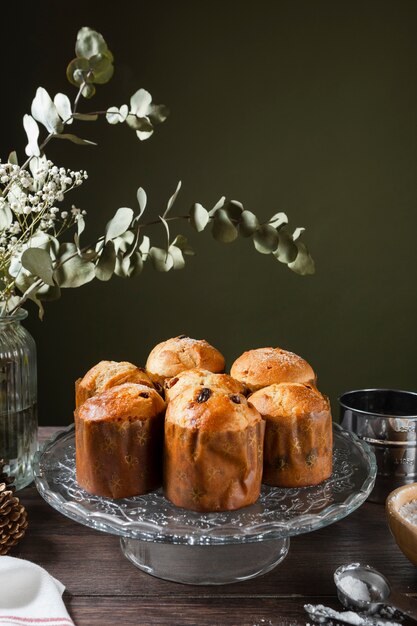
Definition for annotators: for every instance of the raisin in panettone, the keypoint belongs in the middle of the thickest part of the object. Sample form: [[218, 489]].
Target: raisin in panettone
[[213, 450], [201, 378]]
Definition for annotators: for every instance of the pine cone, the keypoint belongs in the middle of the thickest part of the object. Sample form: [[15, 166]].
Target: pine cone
[[13, 516]]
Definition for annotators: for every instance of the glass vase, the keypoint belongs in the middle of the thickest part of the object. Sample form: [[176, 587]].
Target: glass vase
[[18, 398]]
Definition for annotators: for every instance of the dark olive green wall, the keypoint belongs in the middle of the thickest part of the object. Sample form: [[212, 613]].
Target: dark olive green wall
[[304, 106]]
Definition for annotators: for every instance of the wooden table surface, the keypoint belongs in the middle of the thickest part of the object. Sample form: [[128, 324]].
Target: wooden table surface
[[104, 589]]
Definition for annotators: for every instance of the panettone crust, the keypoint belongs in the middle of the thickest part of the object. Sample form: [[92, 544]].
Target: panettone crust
[[213, 451], [177, 354], [198, 377], [298, 435], [108, 374], [119, 441], [265, 366]]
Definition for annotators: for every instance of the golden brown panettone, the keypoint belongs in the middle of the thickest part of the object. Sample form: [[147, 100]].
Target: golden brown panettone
[[107, 374], [212, 451], [298, 435], [266, 366], [175, 355], [119, 441], [201, 378]]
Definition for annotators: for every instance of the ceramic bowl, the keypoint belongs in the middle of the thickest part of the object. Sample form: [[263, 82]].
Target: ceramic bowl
[[404, 532]]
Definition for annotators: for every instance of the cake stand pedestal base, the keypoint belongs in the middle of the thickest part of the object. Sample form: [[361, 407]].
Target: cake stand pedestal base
[[205, 565]]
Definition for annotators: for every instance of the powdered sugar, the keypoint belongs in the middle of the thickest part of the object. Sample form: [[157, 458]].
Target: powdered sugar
[[409, 512], [354, 588]]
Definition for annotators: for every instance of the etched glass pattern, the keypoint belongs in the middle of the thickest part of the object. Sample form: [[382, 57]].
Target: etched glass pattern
[[277, 513]]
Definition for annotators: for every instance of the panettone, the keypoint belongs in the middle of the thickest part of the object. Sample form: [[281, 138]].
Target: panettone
[[298, 435], [175, 355], [266, 366], [201, 378], [119, 441], [107, 374], [212, 451]]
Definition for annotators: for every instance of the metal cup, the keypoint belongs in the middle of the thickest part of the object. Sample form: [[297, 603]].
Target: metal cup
[[387, 420]]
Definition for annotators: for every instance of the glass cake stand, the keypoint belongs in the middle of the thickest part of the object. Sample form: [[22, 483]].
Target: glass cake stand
[[211, 548]]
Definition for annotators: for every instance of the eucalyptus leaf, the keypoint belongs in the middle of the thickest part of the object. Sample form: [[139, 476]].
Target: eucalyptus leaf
[[38, 262], [142, 200], [106, 263], [303, 264], [46, 242], [80, 225], [75, 139], [48, 293], [248, 223], [121, 268], [44, 111], [12, 158], [88, 91], [6, 306], [119, 223], [297, 233], [140, 103], [124, 111], [63, 106], [265, 239], [234, 209], [162, 261], [172, 199], [143, 114], [182, 243], [103, 68], [177, 257], [73, 270], [287, 250], [32, 132], [85, 117], [90, 43], [6, 216], [77, 70], [133, 247], [112, 115], [35, 299], [139, 123], [128, 266], [144, 247], [278, 220], [39, 169], [158, 113], [143, 135], [219, 204], [199, 217], [123, 242], [223, 229], [136, 265], [166, 226]]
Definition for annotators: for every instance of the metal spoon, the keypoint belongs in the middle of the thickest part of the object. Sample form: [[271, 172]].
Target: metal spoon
[[379, 589]]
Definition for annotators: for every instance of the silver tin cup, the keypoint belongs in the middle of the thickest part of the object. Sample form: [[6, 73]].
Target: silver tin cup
[[387, 420]]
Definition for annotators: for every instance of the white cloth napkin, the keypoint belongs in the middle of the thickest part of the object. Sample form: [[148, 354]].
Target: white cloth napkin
[[29, 596]]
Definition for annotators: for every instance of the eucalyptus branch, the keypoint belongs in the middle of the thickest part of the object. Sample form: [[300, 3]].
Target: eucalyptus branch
[[35, 264]]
